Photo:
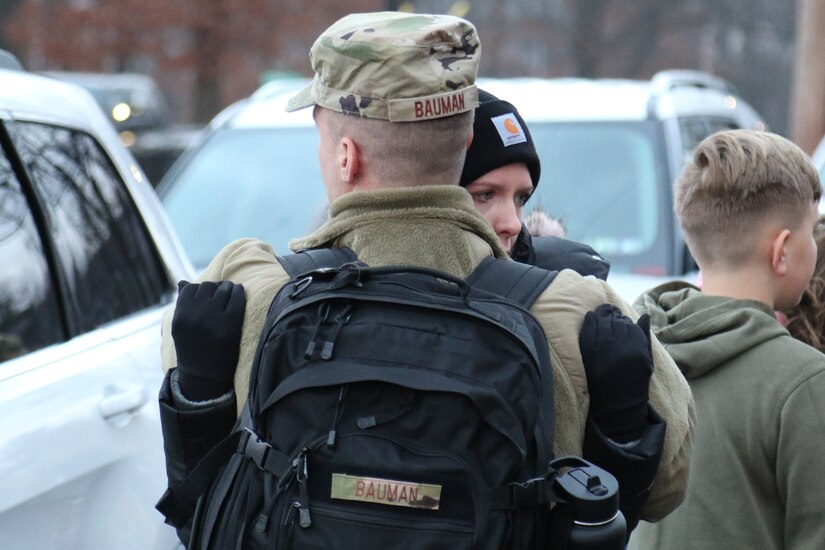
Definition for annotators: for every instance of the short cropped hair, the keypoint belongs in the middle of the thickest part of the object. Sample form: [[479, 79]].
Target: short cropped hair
[[739, 180], [409, 153], [806, 321]]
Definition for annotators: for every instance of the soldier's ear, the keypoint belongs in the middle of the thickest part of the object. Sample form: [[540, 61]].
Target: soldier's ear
[[349, 160], [470, 138]]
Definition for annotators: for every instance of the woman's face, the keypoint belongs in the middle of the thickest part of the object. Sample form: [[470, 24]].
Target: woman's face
[[499, 196]]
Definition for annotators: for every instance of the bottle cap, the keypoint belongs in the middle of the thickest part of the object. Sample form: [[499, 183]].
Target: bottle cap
[[592, 493]]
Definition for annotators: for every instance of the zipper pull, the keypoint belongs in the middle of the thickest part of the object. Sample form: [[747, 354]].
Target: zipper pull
[[261, 523], [340, 320], [288, 477], [304, 519], [323, 311], [367, 422], [290, 515], [339, 408]]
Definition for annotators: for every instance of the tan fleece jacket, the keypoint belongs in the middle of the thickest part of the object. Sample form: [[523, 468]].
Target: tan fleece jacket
[[438, 227]]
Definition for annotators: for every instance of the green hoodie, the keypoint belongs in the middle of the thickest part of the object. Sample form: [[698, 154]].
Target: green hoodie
[[757, 478]]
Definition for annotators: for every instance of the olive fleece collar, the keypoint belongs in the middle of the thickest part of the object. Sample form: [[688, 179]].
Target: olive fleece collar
[[429, 226]]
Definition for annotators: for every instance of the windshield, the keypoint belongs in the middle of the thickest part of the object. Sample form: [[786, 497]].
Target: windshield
[[604, 180], [262, 182]]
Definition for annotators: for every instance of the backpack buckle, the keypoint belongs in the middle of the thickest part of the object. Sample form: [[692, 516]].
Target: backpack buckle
[[253, 448], [530, 493]]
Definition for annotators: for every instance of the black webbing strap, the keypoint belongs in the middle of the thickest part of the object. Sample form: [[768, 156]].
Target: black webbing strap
[[177, 505], [535, 492], [309, 260], [515, 281]]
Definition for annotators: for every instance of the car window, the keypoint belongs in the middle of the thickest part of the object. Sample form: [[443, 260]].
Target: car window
[[696, 129], [604, 181], [29, 312], [261, 182], [720, 124], [693, 131], [108, 263]]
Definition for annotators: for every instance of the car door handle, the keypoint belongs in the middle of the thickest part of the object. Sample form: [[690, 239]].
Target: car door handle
[[122, 399]]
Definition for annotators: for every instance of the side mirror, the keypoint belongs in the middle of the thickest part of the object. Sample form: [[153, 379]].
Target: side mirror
[[9, 61]]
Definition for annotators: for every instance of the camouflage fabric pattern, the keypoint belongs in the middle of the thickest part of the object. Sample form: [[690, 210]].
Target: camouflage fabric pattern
[[394, 66]]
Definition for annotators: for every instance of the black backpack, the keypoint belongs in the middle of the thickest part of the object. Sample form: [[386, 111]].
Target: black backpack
[[390, 407]]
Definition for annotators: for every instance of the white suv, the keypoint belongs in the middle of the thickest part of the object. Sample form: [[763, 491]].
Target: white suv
[[90, 263], [609, 149]]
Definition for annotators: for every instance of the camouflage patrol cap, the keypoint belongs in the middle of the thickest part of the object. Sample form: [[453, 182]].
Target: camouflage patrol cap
[[394, 66]]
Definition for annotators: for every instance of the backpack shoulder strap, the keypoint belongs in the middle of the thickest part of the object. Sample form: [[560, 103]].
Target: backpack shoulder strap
[[309, 260], [515, 281], [523, 284]]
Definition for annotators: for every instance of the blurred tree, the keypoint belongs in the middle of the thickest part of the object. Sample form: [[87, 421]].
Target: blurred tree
[[587, 35], [208, 54], [742, 41], [808, 109], [217, 49], [620, 39], [7, 8]]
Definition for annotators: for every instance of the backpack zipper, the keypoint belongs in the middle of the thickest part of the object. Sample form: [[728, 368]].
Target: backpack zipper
[[337, 321], [323, 313], [433, 303], [367, 422], [301, 476], [299, 472], [339, 409], [341, 319]]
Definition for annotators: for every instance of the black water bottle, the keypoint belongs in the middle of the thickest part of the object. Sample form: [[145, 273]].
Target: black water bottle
[[589, 513]]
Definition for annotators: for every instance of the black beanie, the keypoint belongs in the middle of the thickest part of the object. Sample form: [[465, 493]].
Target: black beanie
[[492, 130]]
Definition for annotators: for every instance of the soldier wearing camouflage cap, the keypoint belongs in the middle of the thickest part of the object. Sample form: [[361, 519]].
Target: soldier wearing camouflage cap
[[393, 98], [394, 66]]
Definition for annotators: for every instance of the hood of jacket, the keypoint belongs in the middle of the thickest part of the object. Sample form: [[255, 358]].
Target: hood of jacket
[[702, 332]]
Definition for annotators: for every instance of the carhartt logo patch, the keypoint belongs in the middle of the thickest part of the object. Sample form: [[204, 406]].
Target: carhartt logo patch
[[386, 491], [509, 129]]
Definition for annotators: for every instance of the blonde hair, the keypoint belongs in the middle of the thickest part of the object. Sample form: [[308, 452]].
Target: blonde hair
[[740, 179], [806, 321], [409, 153]]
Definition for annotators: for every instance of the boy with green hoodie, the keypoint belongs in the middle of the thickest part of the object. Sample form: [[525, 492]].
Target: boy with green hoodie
[[748, 207]]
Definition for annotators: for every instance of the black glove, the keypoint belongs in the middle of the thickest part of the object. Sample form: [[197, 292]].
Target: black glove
[[206, 329], [618, 363]]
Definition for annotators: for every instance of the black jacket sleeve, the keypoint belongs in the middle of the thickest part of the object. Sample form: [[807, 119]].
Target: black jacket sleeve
[[633, 465], [190, 431], [555, 254]]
